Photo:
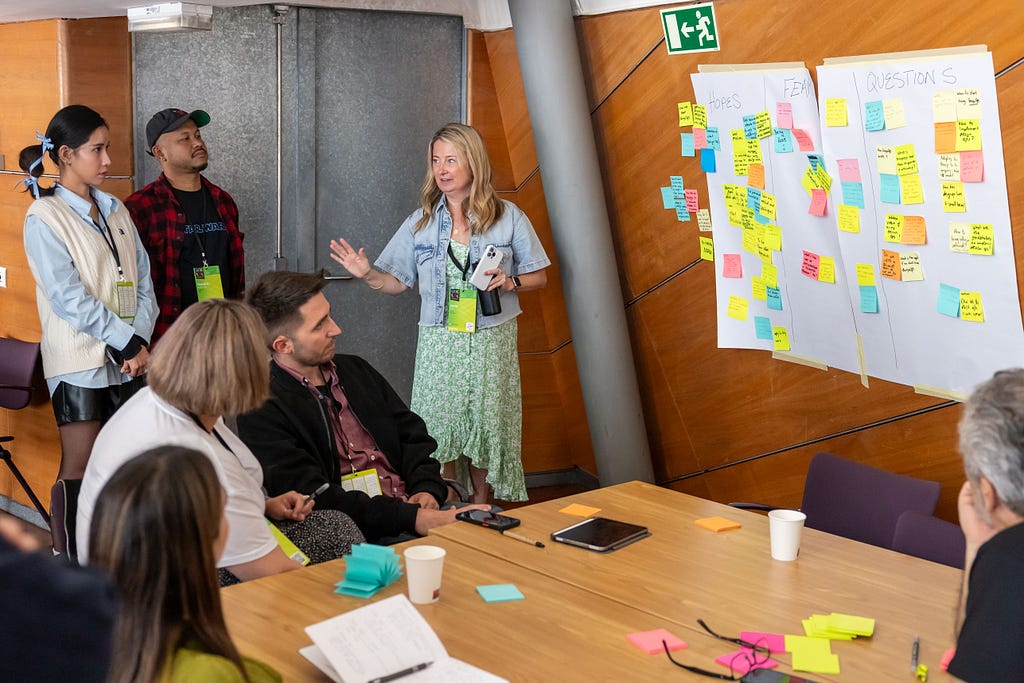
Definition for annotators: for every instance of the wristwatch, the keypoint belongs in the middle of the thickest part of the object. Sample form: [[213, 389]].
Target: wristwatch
[[516, 283]]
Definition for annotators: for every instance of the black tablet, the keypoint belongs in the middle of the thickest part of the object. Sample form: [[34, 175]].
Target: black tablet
[[601, 534]]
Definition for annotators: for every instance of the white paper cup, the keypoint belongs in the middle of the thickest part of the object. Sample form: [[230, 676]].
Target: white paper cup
[[786, 527], [423, 566]]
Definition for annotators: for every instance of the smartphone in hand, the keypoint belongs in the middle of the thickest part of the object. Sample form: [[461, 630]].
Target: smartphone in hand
[[488, 519], [490, 260]]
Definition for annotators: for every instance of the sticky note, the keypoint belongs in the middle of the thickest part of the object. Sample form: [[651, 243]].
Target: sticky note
[[755, 176], [803, 140], [874, 116], [688, 149], [707, 161], [667, 200], [739, 662], [865, 274], [835, 111], [893, 228], [910, 267], [753, 198], [681, 213], [853, 194], [758, 289], [809, 264], [717, 524], [914, 231], [762, 327], [749, 239], [868, 299], [968, 103], [809, 181], [824, 179], [763, 120], [949, 301], [737, 307], [750, 127], [704, 220], [784, 114], [816, 161], [849, 170], [890, 265], [650, 641], [783, 140], [972, 167], [763, 252], [780, 339], [827, 269], [968, 135], [754, 152], [849, 218], [861, 626], [501, 592], [970, 307], [676, 183], [819, 201], [770, 273], [775, 642], [949, 165], [945, 137], [714, 141], [767, 207], [700, 116], [691, 200], [732, 265], [700, 137], [906, 159], [953, 199], [774, 299], [579, 510], [707, 248], [944, 106], [740, 164], [982, 240], [685, 113], [911, 191], [889, 188], [892, 109], [773, 238], [812, 654], [886, 157], [817, 627], [959, 237]]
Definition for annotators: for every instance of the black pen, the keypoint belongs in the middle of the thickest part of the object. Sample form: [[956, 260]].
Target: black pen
[[913, 653], [323, 487], [401, 674]]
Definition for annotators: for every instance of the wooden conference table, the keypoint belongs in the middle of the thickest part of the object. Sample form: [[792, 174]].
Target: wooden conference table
[[580, 605]]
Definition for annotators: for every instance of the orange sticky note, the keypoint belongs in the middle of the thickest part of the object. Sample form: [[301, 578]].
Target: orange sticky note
[[755, 176], [580, 510], [717, 524], [890, 264], [914, 231], [945, 137]]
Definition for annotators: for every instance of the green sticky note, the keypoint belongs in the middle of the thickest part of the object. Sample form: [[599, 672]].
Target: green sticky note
[[502, 592]]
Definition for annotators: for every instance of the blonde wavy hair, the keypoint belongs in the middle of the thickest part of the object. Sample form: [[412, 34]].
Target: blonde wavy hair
[[482, 205]]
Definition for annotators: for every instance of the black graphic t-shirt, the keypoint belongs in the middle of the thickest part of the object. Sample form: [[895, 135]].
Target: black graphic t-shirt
[[204, 233]]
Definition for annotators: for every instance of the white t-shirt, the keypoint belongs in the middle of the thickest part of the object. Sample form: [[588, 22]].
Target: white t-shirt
[[147, 421]]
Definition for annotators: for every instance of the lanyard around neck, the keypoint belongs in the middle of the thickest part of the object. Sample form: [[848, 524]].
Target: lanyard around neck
[[464, 269], [108, 237]]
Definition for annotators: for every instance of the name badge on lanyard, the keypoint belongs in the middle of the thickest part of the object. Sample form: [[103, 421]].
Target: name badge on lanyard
[[461, 300], [208, 283], [124, 290]]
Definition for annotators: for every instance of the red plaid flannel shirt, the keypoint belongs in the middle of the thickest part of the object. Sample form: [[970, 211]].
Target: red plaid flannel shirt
[[161, 224]]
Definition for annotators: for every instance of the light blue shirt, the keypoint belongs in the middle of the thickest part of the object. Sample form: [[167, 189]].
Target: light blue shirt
[[420, 256], [59, 279]]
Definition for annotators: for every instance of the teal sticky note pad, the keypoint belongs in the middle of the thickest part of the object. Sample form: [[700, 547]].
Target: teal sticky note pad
[[874, 116], [869, 299], [678, 189], [502, 592], [949, 301], [667, 200], [761, 219], [783, 140], [890, 188], [714, 141], [815, 160], [853, 194], [750, 127], [707, 161], [762, 327], [774, 298], [687, 144]]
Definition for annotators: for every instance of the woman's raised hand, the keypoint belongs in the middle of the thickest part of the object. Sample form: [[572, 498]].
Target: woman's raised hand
[[355, 262]]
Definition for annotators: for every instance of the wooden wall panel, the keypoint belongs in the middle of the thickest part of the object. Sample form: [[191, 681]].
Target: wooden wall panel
[[611, 45], [484, 110], [511, 97]]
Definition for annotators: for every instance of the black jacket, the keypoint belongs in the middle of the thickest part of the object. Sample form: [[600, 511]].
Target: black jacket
[[291, 437]]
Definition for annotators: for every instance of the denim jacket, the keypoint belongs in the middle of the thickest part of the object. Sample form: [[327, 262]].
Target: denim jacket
[[412, 256]]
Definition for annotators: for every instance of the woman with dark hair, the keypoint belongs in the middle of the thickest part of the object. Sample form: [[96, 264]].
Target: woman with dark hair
[[160, 545], [93, 290]]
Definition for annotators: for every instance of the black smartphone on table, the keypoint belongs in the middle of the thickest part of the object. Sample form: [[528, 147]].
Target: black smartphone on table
[[488, 519]]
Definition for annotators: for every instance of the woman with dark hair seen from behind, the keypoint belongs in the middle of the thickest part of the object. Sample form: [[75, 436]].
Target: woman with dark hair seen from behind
[[160, 545], [93, 290]]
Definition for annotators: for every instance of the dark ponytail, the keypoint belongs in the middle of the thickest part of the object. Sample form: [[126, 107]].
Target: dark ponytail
[[72, 126]]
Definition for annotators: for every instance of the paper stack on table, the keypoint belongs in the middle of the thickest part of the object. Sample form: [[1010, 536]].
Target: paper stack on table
[[368, 569]]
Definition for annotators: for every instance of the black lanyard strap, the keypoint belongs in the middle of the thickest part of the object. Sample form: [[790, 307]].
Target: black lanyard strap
[[464, 269], [108, 237]]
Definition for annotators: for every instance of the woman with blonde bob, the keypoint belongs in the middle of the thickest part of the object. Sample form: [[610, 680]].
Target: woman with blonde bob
[[466, 385], [213, 362], [160, 546]]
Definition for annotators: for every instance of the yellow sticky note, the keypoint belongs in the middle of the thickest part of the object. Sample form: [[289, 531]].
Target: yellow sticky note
[[953, 199], [813, 655], [968, 103], [817, 627], [914, 230], [835, 111], [780, 339], [579, 510], [754, 152], [970, 307], [737, 135], [865, 275], [734, 195], [862, 626], [824, 179], [700, 116], [764, 252], [767, 205], [890, 265], [982, 240], [763, 119], [827, 269], [749, 222], [707, 248], [737, 307], [809, 181], [849, 218], [949, 166], [770, 274], [685, 113], [911, 191], [906, 160], [758, 289], [735, 216], [892, 109], [749, 240], [893, 227], [740, 163], [959, 237], [944, 107], [910, 267], [773, 238], [886, 156], [717, 524], [968, 135]]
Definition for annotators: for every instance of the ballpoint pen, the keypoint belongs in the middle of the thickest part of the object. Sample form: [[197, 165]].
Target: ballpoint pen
[[524, 539], [323, 487], [914, 652], [401, 674]]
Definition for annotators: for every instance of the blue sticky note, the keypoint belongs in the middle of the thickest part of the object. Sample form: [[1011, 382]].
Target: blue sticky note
[[750, 127], [762, 327], [890, 192], [815, 160], [502, 592], [707, 161], [853, 194], [667, 200], [783, 140], [754, 198], [761, 219], [714, 142], [874, 116], [676, 183], [681, 212], [688, 148], [949, 301], [869, 299], [774, 298]]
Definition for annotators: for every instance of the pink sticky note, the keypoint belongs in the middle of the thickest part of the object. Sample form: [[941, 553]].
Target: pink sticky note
[[732, 266], [691, 200], [650, 641], [803, 140], [776, 642], [818, 202], [849, 170], [739, 661], [972, 167], [783, 115], [809, 266], [700, 138]]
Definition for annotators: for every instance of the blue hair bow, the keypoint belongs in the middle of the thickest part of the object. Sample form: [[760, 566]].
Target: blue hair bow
[[31, 181]]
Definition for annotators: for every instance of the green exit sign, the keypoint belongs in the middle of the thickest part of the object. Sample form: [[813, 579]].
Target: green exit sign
[[690, 29]]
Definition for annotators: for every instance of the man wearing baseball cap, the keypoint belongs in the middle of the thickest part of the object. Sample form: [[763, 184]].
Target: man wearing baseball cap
[[188, 225]]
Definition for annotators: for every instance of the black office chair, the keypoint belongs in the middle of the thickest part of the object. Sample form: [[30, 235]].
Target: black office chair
[[17, 365]]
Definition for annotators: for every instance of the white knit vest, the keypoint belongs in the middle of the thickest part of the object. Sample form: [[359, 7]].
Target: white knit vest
[[66, 349]]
